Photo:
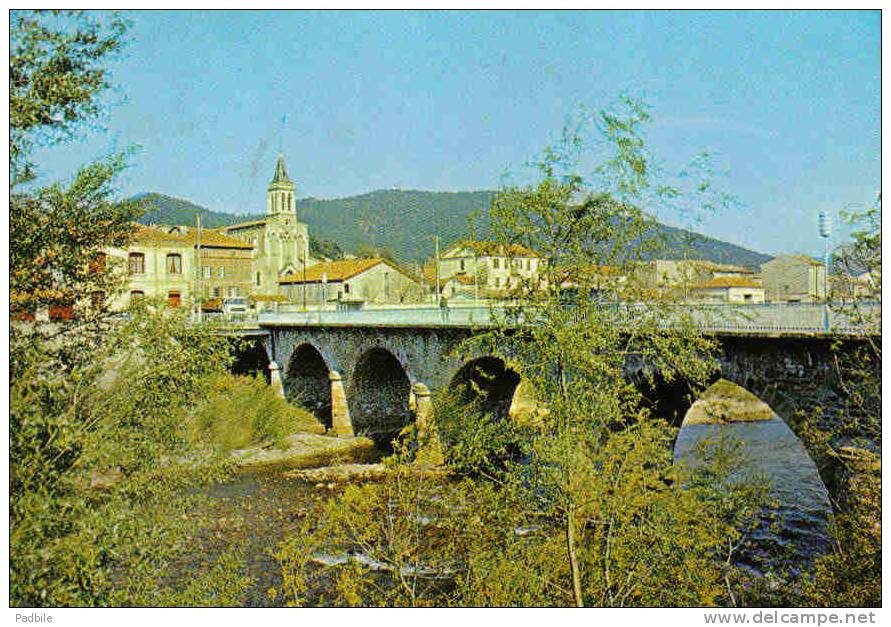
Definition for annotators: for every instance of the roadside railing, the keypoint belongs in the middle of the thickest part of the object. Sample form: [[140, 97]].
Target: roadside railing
[[247, 319], [744, 319]]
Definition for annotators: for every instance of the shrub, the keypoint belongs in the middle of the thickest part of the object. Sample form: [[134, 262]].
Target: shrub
[[99, 465], [240, 411], [476, 442]]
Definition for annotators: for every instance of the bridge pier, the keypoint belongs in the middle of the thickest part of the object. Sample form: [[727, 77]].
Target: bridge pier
[[429, 449], [275, 379], [341, 425]]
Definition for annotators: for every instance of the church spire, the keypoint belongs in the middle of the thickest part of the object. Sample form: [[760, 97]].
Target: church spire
[[280, 194], [281, 172]]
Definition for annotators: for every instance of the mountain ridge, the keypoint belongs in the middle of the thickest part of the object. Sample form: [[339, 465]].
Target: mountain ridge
[[405, 221]]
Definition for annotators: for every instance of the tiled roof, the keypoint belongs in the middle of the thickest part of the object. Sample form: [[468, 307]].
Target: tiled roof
[[334, 271], [602, 270], [589, 271], [807, 259], [491, 249], [804, 258], [242, 225], [726, 281], [428, 272], [209, 238]]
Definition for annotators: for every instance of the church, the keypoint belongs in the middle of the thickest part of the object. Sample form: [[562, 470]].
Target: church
[[280, 241]]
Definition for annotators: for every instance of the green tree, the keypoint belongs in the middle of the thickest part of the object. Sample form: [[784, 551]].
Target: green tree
[[58, 75], [846, 439], [99, 452], [324, 248], [57, 72], [593, 512], [575, 355], [366, 251]]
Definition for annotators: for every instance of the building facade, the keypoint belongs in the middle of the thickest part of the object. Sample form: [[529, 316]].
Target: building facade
[[794, 279], [280, 241], [728, 289], [357, 281], [494, 269], [182, 266], [676, 273]]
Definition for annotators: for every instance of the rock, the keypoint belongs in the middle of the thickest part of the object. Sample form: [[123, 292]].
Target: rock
[[105, 480], [326, 476], [726, 402], [303, 450], [860, 459], [329, 476]]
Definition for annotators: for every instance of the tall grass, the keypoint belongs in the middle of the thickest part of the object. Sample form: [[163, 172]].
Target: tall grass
[[242, 411]]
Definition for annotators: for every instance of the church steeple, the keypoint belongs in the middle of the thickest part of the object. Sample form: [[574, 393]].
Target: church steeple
[[280, 194], [281, 172]]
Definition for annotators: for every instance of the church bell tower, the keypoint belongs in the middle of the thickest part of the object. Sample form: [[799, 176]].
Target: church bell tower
[[280, 199]]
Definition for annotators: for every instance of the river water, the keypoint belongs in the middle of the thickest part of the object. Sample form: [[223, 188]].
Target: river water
[[253, 513], [795, 526], [257, 512]]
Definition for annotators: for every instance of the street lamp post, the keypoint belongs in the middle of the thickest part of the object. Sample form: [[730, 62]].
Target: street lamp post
[[825, 228]]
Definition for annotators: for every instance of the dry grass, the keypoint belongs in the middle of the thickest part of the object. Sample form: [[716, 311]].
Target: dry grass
[[242, 411]]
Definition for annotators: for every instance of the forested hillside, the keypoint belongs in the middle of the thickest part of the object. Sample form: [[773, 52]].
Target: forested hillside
[[405, 221]]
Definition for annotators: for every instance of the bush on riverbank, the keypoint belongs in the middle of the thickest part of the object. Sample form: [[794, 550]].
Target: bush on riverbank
[[240, 411], [99, 467]]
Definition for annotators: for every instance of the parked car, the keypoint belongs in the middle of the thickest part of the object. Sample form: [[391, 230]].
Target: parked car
[[235, 305], [213, 305]]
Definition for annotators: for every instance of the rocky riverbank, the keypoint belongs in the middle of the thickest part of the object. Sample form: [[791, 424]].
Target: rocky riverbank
[[306, 450]]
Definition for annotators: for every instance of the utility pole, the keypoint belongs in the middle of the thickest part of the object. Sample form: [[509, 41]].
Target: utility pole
[[436, 241], [436, 246], [476, 279], [825, 228], [199, 269]]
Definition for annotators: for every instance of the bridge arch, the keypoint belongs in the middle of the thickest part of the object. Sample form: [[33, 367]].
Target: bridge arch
[[798, 501], [250, 360], [663, 398], [378, 394], [306, 382], [489, 381]]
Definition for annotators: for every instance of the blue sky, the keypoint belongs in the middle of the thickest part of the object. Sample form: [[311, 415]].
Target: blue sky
[[790, 101]]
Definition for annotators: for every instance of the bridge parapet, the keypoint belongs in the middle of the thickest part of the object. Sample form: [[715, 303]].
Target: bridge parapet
[[767, 319]]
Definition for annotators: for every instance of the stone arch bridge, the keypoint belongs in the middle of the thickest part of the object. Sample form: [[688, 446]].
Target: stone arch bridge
[[365, 376]]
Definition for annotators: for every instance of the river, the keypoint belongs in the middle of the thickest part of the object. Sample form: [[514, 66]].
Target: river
[[257, 511], [796, 523], [254, 512]]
